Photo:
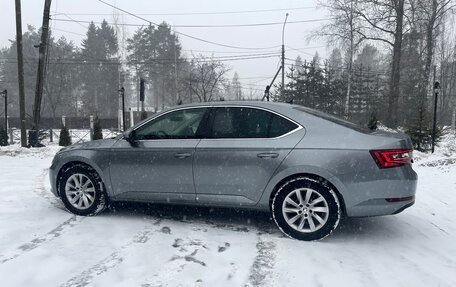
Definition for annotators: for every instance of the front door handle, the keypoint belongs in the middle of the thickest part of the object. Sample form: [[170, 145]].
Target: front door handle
[[268, 155], [182, 155]]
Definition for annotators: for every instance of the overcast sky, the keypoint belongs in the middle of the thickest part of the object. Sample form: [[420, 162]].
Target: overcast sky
[[257, 72]]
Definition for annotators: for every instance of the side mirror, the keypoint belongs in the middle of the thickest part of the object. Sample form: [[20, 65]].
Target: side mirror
[[131, 138]]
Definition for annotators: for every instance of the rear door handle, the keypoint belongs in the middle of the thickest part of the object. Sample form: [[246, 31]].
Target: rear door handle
[[182, 155], [268, 155]]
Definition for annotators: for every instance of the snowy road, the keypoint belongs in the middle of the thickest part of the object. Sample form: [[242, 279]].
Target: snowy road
[[147, 245]]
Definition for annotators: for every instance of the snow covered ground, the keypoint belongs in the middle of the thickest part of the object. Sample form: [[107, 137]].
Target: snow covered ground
[[41, 244]]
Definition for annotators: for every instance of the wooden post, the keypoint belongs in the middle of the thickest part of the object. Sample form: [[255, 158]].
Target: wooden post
[[132, 119], [41, 66], [20, 73]]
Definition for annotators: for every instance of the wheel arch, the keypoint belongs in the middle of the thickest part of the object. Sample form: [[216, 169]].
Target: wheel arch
[[75, 162], [313, 176]]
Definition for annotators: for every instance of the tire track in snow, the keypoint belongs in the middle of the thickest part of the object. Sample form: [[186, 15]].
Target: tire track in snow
[[57, 231], [263, 265], [38, 241], [40, 190], [112, 260], [186, 252]]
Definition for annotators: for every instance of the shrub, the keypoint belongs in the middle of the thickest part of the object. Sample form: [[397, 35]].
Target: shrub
[[3, 137], [65, 137], [97, 131], [373, 122]]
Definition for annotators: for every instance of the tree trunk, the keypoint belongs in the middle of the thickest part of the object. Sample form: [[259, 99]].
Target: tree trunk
[[429, 48], [393, 100], [350, 65]]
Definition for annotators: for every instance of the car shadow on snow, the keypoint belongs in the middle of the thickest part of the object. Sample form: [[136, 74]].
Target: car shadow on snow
[[241, 220], [387, 228]]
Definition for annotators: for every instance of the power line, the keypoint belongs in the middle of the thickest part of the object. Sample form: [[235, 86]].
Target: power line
[[159, 61], [187, 35], [202, 13], [70, 32], [364, 71], [207, 26], [304, 52]]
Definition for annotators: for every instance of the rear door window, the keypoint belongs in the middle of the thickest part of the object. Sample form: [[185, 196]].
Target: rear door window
[[243, 122]]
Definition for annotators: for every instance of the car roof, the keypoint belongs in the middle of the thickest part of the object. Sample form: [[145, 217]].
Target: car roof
[[262, 104]]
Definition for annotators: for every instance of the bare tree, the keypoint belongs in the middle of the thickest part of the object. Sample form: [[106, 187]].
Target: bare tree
[[344, 29], [206, 78], [383, 20], [430, 15]]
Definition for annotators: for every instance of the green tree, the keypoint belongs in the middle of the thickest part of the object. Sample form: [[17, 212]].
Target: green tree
[[307, 86], [62, 82], [8, 70], [99, 71], [420, 129], [155, 55]]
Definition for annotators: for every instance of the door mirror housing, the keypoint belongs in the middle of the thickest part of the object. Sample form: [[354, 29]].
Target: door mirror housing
[[131, 138]]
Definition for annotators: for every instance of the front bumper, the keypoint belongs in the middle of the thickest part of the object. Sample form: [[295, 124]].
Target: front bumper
[[53, 177]]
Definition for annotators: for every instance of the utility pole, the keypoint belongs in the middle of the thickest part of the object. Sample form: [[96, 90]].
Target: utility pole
[[20, 73], [268, 87], [40, 74], [434, 123], [5, 94], [142, 89], [283, 55]]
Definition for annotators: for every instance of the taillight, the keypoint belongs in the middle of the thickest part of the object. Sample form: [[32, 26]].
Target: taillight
[[392, 157]]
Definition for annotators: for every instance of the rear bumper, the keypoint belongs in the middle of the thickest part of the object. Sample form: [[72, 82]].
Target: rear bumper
[[387, 193], [378, 207]]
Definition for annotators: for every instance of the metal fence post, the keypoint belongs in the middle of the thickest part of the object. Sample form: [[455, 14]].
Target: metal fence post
[[132, 120], [11, 136], [91, 128]]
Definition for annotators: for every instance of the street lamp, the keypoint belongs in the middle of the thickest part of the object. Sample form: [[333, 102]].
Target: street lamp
[[434, 124], [283, 54], [5, 94]]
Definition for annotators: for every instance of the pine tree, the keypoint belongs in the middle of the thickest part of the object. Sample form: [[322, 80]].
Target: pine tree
[[3, 137], [100, 46], [97, 131], [373, 122], [143, 115], [65, 137], [420, 130]]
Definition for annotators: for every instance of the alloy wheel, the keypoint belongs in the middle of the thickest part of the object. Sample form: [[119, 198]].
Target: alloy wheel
[[80, 191], [305, 210]]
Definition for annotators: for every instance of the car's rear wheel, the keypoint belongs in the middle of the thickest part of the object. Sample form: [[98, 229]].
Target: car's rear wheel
[[80, 189], [306, 209]]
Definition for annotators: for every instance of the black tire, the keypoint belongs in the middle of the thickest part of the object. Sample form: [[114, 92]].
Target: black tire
[[319, 189], [100, 199]]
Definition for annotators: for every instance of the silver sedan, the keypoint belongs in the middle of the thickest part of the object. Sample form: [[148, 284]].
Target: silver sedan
[[305, 167]]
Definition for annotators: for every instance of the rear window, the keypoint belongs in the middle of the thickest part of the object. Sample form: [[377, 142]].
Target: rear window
[[335, 120]]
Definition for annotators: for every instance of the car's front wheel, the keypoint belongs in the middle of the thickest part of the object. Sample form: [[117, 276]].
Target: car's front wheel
[[80, 190], [306, 209]]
